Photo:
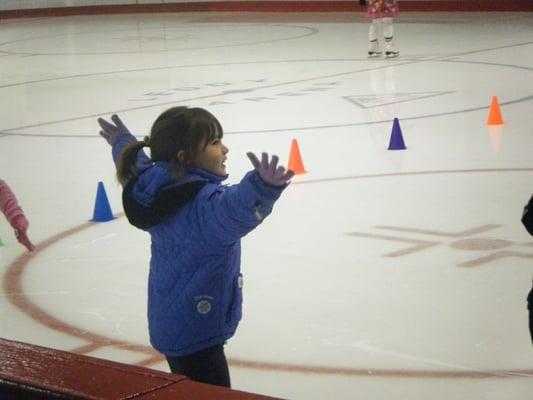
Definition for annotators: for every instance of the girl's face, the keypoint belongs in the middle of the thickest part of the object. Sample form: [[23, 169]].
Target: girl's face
[[212, 157]]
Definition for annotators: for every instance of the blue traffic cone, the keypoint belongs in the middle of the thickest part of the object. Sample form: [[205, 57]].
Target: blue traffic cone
[[396, 137], [102, 209]]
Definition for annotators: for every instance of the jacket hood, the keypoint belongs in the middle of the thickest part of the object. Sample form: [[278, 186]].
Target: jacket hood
[[156, 194]]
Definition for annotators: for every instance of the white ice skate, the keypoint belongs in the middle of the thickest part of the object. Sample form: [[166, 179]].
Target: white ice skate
[[373, 49], [390, 49]]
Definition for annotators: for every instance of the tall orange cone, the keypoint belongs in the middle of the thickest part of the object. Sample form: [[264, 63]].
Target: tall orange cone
[[495, 115], [295, 159]]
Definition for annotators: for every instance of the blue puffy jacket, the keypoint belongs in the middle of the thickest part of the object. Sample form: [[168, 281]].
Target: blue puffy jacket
[[195, 283]]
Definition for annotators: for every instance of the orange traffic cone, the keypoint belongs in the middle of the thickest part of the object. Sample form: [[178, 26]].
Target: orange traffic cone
[[295, 159], [495, 115]]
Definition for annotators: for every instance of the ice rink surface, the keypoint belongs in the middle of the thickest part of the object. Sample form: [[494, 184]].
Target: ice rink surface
[[380, 274]]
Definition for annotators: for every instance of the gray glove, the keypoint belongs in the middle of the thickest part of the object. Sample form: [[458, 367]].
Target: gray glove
[[112, 132], [270, 172]]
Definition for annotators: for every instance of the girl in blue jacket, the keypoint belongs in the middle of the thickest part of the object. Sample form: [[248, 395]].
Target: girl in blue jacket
[[196, 224]]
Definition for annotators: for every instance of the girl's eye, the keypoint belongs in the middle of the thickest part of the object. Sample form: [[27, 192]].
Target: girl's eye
[[216, 141]]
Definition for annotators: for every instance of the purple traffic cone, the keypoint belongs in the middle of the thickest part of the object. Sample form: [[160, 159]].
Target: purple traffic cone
[[102, 209], [396, 137]]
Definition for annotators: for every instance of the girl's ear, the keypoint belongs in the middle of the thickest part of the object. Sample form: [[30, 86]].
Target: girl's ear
[[182, 157]]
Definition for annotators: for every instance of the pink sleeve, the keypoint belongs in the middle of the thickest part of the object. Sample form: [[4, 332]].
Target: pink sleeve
[[8, 203]]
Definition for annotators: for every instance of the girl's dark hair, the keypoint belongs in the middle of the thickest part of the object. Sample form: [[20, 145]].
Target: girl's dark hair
[[176, 129]]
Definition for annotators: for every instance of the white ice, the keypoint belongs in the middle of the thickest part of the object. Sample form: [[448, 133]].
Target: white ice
[[380, 274]]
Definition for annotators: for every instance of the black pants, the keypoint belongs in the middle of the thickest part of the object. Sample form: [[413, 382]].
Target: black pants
[[530, 308], [206, 366]]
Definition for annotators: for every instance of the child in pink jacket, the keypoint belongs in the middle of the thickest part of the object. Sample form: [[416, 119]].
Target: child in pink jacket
[[14, 215], [381, 14]]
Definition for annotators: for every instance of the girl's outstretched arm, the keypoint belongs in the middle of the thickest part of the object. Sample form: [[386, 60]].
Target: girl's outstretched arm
[[230, 212], [14, 215]]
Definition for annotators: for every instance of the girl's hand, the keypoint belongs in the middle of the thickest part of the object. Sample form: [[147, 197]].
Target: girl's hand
[[270, 172], [20, 224], [112, 132]]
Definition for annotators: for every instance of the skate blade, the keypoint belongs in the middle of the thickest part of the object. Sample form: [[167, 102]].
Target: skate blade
[[391, 54]]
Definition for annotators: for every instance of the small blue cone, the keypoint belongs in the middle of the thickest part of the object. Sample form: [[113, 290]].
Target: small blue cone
[[102, 209], [396, 137]]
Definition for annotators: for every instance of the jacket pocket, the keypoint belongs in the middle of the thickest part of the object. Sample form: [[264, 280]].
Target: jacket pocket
[[235, 309]]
